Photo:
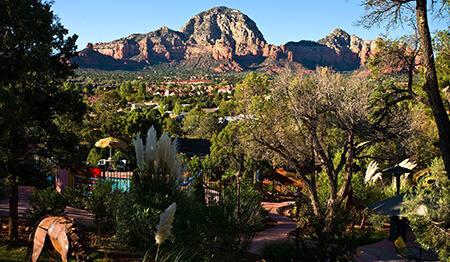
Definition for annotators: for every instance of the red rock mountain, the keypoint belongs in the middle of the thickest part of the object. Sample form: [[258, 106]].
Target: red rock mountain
[[223, 39]]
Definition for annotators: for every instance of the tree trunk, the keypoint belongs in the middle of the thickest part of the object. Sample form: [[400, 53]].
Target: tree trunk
[[312, 193], [431, 86], [13, 229], [330, 217]]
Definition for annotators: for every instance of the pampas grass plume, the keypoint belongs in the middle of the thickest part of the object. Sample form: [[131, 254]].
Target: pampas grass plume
[[139, 147], [165, 224]]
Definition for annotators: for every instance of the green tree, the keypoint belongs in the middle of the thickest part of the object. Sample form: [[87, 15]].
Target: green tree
[[441, 44], [172, 126], [110, 118], [191, 122], [428, 210], [177, 109], [163, 107], [126, 89], [142, 91], [226, 108], [88, 87], [225, 147], [34, 53], [208, 126], [393, 13], [323, 117], [141, 119]]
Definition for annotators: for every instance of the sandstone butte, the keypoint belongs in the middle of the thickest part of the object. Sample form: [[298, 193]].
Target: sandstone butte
[[222, 39]]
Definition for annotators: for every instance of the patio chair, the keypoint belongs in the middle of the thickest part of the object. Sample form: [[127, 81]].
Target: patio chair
[[101, 162], [122, 164]]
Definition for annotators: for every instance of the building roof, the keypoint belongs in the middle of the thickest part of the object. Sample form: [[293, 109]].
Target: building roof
[[194, 147]]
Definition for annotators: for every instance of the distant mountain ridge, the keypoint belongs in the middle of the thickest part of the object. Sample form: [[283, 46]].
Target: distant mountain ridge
[[223, 39]]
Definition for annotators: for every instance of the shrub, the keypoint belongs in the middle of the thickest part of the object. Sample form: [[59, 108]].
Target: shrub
[[278, 250], [103, 203], [94, 155], [378, 221], [76, 198], [431, 225], [200, 232], [45, 202], [140, 209], [336, 245]]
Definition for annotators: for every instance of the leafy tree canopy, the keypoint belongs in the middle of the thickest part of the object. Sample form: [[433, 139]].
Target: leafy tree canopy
[[34, 53]]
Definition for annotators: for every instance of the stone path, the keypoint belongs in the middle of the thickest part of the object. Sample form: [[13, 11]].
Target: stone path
[[380, 251], [81, 216], [279, 232]]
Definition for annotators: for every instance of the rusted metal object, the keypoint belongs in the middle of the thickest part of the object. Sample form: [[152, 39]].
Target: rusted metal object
[[60, 235]]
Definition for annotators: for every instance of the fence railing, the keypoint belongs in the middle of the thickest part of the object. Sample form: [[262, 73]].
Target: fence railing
[[86, 180]]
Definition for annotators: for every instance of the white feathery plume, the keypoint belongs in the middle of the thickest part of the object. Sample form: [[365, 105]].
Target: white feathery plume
[[370, 171], [163, 154], [408, 164], [377, 176], [150, 147], [176, 168], [165, 224], [139, 148]]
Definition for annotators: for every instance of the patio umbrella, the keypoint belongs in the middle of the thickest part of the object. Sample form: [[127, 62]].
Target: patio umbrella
[[397, 171], [110, 142], [392, 207]]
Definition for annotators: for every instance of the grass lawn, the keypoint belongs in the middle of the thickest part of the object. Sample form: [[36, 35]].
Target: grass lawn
[[14, 252]]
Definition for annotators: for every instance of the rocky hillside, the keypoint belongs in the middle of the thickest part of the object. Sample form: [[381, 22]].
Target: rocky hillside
[[339, 49], [223, 39]]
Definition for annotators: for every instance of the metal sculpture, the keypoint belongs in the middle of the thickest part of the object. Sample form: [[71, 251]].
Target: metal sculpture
[[60, 235]]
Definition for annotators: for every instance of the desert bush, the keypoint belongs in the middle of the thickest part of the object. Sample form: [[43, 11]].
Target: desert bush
[[378, 221], [278, 250], [76, 197], [45, 202], [215, 231], [200, 232], [338, 244], [432, 194], [140, 208], [103, 203]]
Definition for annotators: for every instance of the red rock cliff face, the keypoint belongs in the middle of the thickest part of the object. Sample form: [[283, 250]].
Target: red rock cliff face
[[339, 49], [225, 30], [233, 40], [222, 33]]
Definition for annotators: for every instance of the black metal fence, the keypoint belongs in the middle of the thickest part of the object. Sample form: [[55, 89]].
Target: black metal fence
[[86, 181]]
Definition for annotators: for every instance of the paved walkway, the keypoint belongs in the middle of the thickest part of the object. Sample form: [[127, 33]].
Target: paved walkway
[[279, 232], [380, 251], [81, 216], [384, 250]]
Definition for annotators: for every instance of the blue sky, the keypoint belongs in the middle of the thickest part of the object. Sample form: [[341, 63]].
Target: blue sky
[[279, 21]]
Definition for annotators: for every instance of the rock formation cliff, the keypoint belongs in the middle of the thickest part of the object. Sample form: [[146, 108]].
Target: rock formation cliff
[[223, 39]]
